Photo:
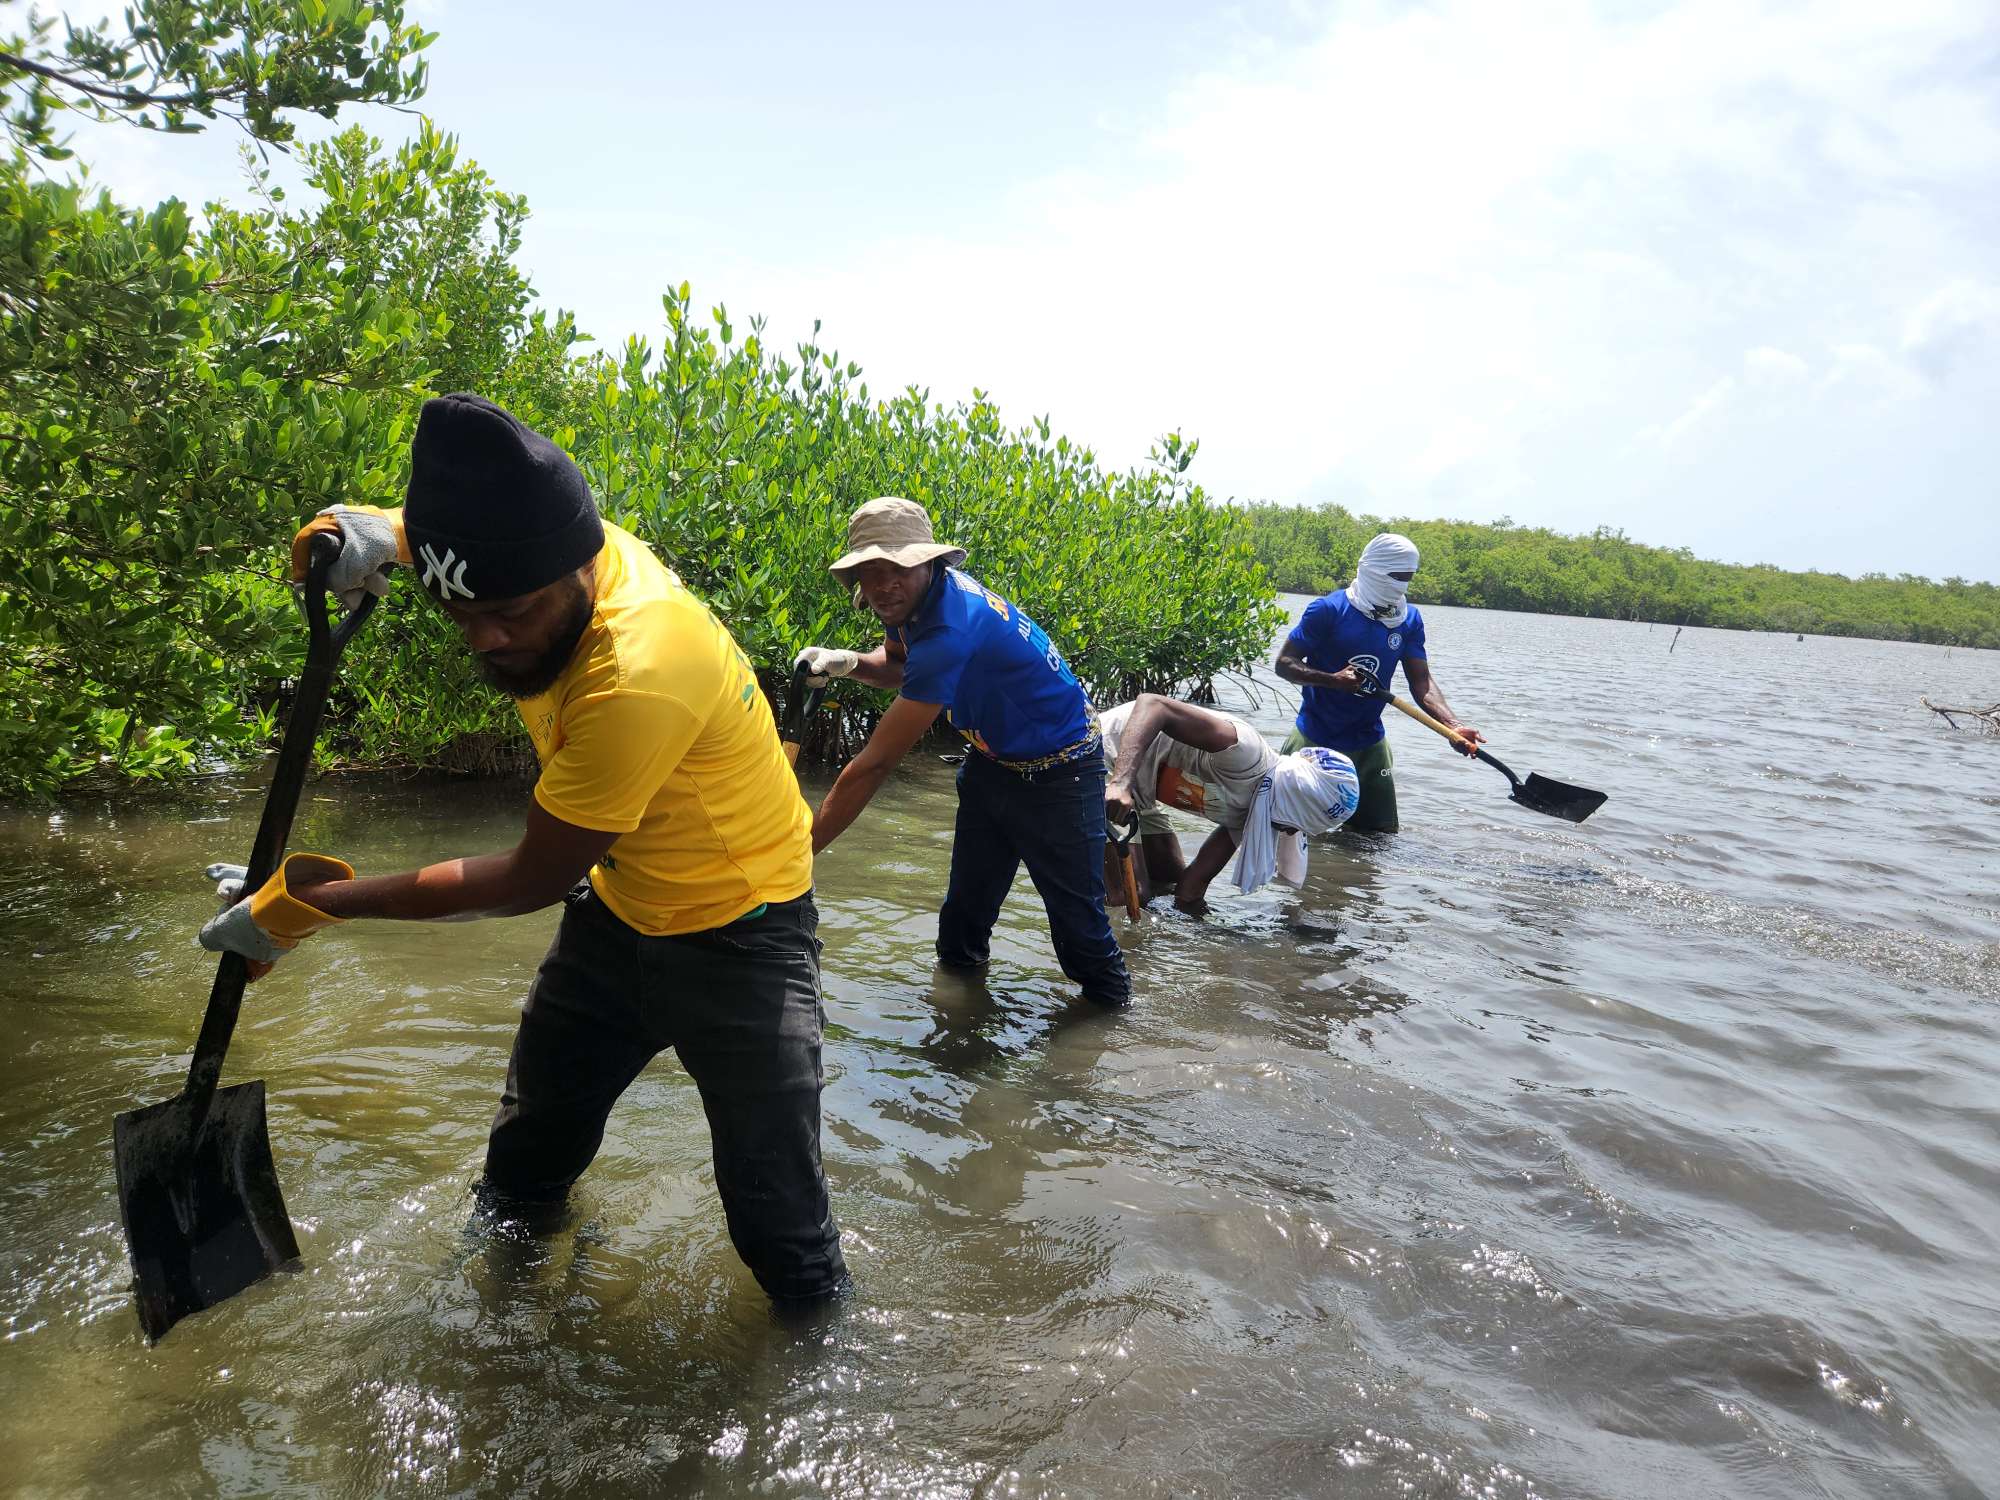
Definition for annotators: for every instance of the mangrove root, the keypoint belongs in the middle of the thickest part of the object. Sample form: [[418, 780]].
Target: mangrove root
[[1986, 719]]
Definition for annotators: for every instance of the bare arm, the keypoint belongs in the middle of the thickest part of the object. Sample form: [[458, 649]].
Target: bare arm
[[1291, 666], [539, 871], [1207, 863], [1424, 688], [882, 667], [1154, 714], [900, 728]]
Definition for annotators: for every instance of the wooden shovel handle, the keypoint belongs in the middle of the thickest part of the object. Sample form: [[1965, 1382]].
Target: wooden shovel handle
[[1454, 736], [1122, 842], [1429, 723]]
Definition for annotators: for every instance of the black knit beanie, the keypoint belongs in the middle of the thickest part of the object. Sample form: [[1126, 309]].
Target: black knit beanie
[[494, 509]]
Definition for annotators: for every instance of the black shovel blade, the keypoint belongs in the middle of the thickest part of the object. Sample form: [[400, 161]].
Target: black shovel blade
[[1558, 798], [204, 1216]]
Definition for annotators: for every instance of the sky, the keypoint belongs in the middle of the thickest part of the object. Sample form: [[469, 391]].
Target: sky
[[1722, 273]]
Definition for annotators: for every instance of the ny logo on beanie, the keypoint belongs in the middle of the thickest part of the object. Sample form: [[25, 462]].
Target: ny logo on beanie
[[486, 488], [439, 573]]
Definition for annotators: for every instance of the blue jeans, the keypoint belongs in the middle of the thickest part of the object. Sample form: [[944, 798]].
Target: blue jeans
[[1052, 821]]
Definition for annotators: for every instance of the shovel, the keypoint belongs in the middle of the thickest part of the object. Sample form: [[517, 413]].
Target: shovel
[[1122, 842], [1542, 794], [197, 1189], [800, 705]]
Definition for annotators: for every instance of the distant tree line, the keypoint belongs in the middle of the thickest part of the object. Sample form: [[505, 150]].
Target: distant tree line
[[1609, 576]]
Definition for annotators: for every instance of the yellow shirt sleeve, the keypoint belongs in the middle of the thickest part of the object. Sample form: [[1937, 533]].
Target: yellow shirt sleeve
[[618, 749]]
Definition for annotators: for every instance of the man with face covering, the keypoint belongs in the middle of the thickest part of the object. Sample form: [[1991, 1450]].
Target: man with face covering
[[1369, 624], [666, 820]]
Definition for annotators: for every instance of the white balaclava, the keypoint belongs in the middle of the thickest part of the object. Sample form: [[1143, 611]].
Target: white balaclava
[[1373, 591]]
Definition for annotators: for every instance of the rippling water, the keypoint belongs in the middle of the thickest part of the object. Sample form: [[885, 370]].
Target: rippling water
[[1655, 1156]]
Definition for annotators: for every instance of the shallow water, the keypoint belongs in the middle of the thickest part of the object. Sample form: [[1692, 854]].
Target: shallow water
[[1648, 1157]]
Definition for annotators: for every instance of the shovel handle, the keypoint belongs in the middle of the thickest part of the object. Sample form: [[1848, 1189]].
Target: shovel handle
[[1457, 739], [1122, 842], [801, 703], [1378, 691], [324, 643]]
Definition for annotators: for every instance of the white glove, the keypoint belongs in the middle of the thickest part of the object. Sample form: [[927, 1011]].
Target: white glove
[[823, 663]]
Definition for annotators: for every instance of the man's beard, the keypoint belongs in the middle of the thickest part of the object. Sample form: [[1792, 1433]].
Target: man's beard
[[547, 667]]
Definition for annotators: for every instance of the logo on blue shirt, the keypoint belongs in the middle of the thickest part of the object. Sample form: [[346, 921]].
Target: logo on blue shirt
[[1002, 682], [1333, 634]]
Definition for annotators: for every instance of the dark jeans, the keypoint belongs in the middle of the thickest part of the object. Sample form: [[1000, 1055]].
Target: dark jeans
[[740, 1005], [1052, 821]]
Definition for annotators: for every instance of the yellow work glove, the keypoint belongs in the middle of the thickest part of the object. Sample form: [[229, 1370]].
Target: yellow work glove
[[270, 924]]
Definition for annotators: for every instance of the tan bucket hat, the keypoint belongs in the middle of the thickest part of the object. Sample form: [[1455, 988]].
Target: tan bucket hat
[[894, 529]]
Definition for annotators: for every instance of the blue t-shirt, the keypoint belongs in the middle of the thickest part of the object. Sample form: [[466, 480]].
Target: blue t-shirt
[[1331, 634], [1003, 686]]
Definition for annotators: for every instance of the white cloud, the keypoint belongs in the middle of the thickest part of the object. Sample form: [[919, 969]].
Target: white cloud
[[1763, 394], [1871, 372], [1448, 257], [1701, 412], [1952, 327], [1770, 367]]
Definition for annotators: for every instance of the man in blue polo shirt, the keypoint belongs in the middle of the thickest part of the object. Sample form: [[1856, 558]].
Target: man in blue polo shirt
[[1032, 789], [1369, 624]]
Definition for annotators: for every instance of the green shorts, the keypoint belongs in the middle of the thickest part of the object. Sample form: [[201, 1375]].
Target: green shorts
[[1377, 811]]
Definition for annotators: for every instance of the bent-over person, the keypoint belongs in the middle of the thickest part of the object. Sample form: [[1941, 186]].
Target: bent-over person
[[1160, 752]]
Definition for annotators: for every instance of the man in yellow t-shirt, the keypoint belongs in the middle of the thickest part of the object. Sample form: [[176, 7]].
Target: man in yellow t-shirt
[[662, 782]]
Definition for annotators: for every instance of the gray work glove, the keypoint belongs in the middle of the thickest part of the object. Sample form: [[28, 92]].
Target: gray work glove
[[271, 921], [367, 551], [233, 929]]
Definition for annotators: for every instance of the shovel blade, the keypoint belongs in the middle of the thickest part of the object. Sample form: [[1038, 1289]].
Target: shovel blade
[[204, 1215], [1558, 798]]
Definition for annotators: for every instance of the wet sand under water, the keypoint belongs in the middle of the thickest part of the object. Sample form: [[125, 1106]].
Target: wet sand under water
[[1649, 1157]]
